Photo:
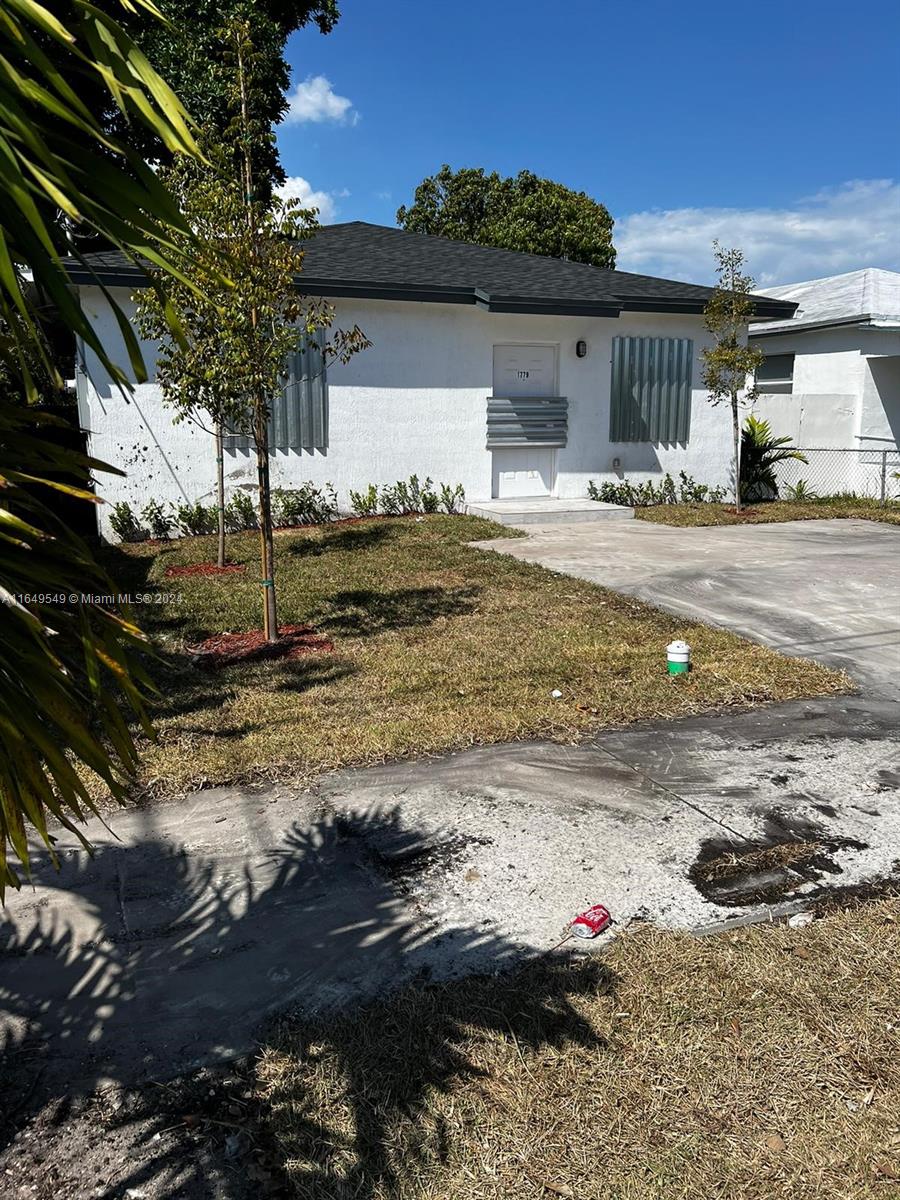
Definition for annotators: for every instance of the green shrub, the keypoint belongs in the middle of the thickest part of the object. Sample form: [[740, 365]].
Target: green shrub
[[158, 520], [365, 504], [391, 500], [647, 493], [407, 496], [452, 499], [125, 524], [304, 505], [195, 519], [691, 492], [240, 512]]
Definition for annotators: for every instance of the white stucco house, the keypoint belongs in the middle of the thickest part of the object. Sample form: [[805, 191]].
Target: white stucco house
[[512, 374], [831, 377]]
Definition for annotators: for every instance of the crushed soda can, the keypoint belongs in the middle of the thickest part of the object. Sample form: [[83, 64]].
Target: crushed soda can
[[588, 924]]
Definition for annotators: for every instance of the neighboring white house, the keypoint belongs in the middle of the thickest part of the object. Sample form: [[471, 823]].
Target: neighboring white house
[[831, 377], [512, 374]]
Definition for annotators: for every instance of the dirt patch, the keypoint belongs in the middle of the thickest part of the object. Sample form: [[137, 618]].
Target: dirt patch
[[404, 859], [191, 1138], [224, 649], [204, 569], [852, 895], [791, 853]]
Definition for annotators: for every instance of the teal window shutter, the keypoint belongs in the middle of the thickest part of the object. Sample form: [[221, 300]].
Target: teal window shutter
[[650, 390], [299, 416], [299, 419]]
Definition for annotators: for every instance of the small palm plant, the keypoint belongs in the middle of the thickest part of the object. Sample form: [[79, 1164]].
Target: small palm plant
[[760, 454], [801, 492]]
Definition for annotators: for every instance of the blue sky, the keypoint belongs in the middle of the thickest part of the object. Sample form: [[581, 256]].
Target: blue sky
[[773, 126]]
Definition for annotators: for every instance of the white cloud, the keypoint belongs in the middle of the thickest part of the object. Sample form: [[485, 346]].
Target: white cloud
[[295, 187], [316, 100], [839, 229]]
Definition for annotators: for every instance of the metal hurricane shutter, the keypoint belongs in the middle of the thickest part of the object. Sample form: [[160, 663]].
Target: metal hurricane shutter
[[299, 416], [650, 389]]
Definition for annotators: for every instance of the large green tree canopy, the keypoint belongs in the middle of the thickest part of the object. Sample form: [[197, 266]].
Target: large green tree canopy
[[523, 212], [187, 52]]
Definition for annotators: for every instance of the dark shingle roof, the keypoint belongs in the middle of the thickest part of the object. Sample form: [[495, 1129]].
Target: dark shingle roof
[[358, 259]]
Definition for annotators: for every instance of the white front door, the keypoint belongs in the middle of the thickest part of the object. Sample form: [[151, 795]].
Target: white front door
[[524, 370], [524, 470]]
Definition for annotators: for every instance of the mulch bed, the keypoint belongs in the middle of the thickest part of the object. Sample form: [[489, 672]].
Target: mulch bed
[[223, 649], [204, 569]]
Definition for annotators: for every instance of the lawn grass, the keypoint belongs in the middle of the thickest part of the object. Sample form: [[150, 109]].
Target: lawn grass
[[757, 1063], [761, 514], [437, 646]]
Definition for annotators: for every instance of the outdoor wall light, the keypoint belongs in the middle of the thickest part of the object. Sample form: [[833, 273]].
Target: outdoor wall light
[[581, 348]]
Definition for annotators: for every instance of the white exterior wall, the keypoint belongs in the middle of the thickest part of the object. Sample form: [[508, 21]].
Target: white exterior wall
[[415, 402], [839, 398], [846, 395]]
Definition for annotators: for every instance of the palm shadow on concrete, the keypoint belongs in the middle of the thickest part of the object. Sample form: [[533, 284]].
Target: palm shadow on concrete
[[156, 957]]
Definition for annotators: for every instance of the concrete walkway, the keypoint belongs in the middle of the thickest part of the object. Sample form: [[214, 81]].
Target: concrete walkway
[[169, 947]]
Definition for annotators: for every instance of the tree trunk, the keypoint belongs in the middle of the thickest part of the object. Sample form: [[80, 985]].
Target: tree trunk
[[220, 491], [266, 540], [736, 432], [260, 408]]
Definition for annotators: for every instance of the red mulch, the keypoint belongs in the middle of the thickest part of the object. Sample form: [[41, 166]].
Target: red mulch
[[204, 569], [223, 649]]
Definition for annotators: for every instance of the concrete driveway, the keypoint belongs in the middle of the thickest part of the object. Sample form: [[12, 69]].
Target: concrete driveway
[[828, 590], [197, 919]]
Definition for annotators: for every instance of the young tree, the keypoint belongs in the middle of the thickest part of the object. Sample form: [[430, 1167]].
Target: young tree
[[521, 213], [230, 363], [729, 364]]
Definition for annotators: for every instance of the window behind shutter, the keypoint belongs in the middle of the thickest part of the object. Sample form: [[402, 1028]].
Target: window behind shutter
[[299, 416], [650, 393]]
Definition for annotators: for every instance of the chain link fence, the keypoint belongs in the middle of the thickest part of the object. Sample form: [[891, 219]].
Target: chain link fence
[[872, 474]]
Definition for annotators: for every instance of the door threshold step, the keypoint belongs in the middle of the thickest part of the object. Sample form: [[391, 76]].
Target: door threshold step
[[545, 510]]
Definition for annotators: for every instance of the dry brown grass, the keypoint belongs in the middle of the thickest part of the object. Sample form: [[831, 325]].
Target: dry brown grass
[[437, 646], [763, 514], [758, 1064]]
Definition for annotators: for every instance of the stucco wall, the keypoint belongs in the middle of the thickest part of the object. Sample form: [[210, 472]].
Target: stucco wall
[[846, 396], [414, 402], [835, 401]]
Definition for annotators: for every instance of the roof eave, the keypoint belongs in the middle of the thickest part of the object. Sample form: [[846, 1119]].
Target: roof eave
[[862, 321], [552, 306], [117, 277]]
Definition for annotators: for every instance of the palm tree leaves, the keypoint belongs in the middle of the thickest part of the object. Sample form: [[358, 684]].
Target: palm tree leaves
[[761, 453], [56, 158], [69, 650]]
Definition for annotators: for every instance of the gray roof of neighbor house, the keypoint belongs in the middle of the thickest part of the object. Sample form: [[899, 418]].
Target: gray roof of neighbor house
[[374, 261], [869, 298]]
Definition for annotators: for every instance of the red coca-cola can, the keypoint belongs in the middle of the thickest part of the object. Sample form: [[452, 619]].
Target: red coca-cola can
[[588, 924]]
